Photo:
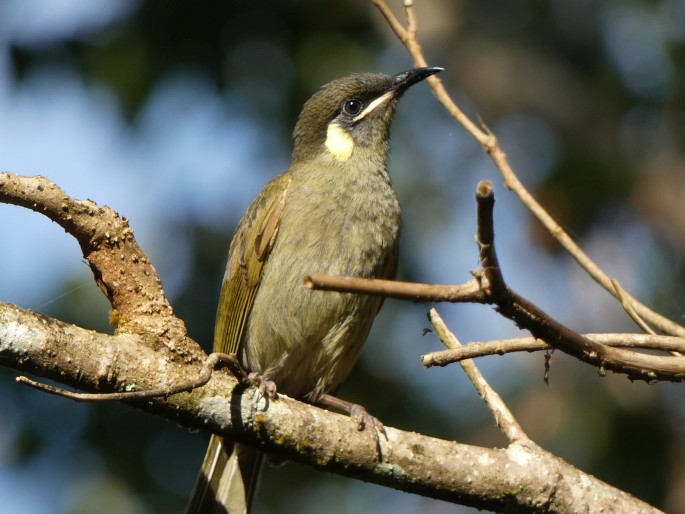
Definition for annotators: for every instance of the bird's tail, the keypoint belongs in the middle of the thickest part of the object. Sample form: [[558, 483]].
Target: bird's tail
[[227, 480]]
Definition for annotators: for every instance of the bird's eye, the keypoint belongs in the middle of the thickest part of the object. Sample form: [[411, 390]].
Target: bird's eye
[[352, 107]]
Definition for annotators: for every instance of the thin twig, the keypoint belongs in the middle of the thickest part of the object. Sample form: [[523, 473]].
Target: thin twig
[[392, 20], [468, 292], [412, 29], [503, 417], [212, 361], [474, 350], [419, 60], [621, 295]]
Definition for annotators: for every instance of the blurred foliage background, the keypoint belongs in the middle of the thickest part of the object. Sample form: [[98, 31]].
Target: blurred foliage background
[[176, 113]]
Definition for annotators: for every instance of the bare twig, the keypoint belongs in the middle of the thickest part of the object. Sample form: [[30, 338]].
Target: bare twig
[[503, 417], [527, 315], [410, 41], [621, 296], [468, 292], [489, 143], [212, 361], [473, 350], [524, 313]]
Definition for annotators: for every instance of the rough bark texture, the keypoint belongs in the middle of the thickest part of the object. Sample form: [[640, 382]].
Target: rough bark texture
[[120, 268], [520, 478]]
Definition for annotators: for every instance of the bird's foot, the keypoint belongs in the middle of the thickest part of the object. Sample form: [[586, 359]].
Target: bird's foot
[[360, 415], [364, 419], [266, 388]]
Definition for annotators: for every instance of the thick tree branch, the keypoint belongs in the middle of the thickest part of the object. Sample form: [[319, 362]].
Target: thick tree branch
[[121, 269], [536, 481]]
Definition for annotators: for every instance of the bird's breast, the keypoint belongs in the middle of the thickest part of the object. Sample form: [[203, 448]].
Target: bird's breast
[[350, 224], [307, 341]]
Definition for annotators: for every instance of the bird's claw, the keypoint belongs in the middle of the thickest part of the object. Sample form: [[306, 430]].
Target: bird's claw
[[266, 388], [364, 419], [360, 415]]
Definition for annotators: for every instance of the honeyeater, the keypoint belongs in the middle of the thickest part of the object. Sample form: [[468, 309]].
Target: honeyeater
[[335, 212]]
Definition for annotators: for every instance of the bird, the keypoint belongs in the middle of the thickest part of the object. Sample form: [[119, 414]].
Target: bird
[[334, 211]]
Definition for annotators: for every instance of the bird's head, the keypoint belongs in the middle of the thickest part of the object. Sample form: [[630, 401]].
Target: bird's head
[[352, 113]]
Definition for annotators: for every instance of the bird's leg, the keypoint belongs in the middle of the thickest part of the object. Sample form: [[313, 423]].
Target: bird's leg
[[359, 414]]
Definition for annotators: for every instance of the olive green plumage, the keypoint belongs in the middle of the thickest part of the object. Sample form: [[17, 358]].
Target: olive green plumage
[[335, 212]]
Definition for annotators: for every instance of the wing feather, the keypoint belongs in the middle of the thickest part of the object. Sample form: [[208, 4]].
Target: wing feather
[[253, 241]]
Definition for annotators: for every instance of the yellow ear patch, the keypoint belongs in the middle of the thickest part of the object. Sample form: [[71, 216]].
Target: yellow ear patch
[[339, 142]]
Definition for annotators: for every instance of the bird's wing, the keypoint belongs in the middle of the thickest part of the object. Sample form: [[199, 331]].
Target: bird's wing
[[250, 248]]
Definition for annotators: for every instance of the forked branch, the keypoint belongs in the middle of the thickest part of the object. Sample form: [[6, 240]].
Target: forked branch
[[489, 287], [408, 37]]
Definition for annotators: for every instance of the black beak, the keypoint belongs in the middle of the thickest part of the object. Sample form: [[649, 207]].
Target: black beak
[[403, 81]]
